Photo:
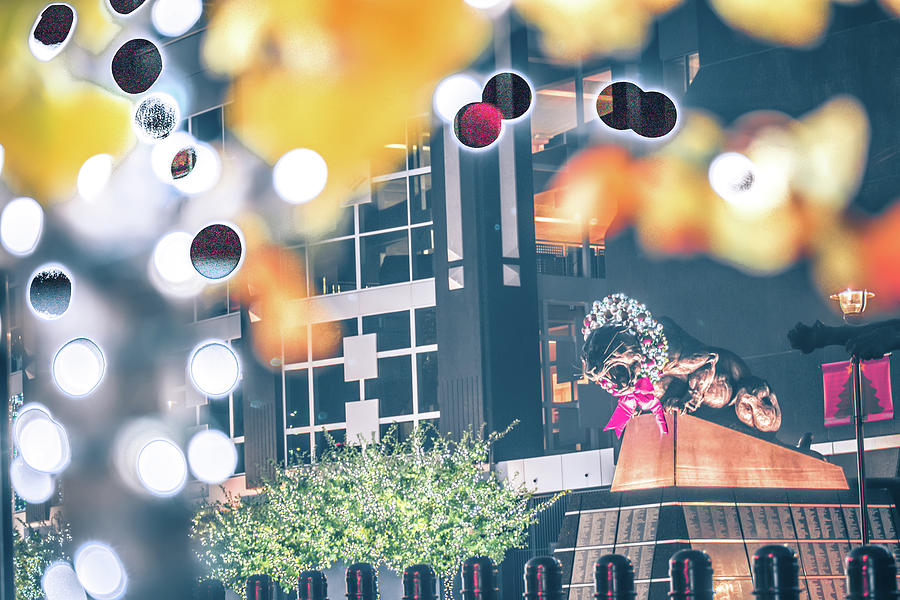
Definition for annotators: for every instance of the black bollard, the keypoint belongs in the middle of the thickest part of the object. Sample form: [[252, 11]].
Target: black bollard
[[362, 582], [613, 578], [776, 573], [312, 585], [209, 589], [419, 583], [543, 579], [690, 576], [871, 574], [260, 587], [480, 580]]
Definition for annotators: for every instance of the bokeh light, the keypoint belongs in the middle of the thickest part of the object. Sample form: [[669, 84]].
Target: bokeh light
[[490, 6], [217, 251], [300, 175], [205, 174], [453, 93], [42, 442], [176, 17], [161, 467], [21, 225], [212, 456], [171, 269], [214, 368], [124, 7], [100, 572], [155, 117], [52, 31], [94, 175], [31, 486], [50, 292], [136, 66], [733, 176], [478, 125], [78, 367], [60, 582], [510, 93]]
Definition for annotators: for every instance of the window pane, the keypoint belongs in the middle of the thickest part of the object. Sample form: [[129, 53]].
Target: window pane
[[323, 444], [385, 258], [393, 387], [296, 388], [398, 431], [333, 267], [420, 198], [295, 270], [423, 252], [431, 429], [419, 142], [240, 459], [212, 302], [237, 412], [207, 127], [593, 85], [427, 366], [328, 338], [387, 208], [426, 326], [553, 115], [330, 392], [392, 330], [297, 449], [343, 224], [215, 414]]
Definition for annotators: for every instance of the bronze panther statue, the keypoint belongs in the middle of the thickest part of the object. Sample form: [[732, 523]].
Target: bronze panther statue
[[710, 383]]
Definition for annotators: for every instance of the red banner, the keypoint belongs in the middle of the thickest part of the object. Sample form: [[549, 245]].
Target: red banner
[[875, 380]]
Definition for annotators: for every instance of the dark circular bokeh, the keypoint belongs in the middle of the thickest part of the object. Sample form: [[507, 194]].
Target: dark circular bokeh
[[184, 162], [136, 65], [478, 124], [509, 92], [50, 292], [54, 25], [125, 7], [216, 251], [623, 105], [155, 117]]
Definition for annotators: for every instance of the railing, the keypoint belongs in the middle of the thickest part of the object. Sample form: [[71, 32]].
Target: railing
[[566, 260]]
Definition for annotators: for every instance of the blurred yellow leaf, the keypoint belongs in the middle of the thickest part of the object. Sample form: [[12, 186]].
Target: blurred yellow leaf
[[795, 22]]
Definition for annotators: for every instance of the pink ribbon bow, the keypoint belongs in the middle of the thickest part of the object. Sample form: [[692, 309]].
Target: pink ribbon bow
[[642, 397]]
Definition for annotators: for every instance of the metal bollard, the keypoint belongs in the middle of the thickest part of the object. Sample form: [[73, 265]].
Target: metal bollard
[[776, 573], [690, 576], [871, 574], [543, 579], [613, 578], [260, 587], [362, 582], [419, 583], [480, 580], [312, 585]]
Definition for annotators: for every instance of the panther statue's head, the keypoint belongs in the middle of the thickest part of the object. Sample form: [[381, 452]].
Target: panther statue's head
[[612, 357]]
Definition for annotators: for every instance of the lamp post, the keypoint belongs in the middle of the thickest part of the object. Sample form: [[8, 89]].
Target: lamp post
[[853, 304]]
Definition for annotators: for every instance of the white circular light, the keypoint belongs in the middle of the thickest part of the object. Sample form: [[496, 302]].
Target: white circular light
[[488, 5], [212, 456], [300, 175], [48, 51], [164, 152], [453, 93], [94, 175], [50, 291], [214, 368], [78, 367], [161, 467], [100, 572], [176, 17], [155, 117], [733, 177], [31, 486], [205, 174], [43, 443], [21, 225], [60, 582]]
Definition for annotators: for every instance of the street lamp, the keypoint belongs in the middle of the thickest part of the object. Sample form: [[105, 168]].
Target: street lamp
[[853, 304]]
